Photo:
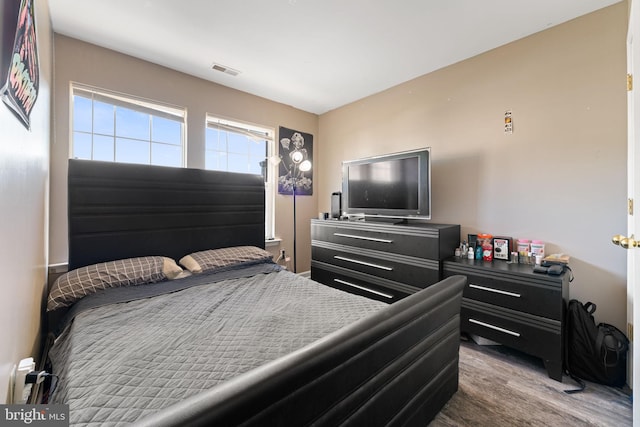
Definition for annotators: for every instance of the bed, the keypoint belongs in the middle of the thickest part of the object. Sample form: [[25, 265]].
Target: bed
[[238, 340]]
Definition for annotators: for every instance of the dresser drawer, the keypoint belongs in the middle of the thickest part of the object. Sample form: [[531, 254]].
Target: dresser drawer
[[356, 285], [421, 244], [531, 334], [411, 271]]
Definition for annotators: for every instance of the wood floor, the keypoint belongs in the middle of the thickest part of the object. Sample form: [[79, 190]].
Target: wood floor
[[502, 387]]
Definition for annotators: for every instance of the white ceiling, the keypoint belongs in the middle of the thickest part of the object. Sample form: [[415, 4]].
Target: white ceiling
[[315, 55]]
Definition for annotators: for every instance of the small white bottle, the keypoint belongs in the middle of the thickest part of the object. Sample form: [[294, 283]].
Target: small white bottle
[[470, 253]]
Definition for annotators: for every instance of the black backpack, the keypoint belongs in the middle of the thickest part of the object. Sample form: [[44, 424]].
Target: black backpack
[[593, 353]]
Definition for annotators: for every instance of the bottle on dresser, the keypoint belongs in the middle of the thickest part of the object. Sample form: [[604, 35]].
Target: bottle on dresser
[[537, 251], [524, 248]]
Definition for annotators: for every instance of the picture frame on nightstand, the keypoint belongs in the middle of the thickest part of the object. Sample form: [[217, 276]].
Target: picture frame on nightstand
[[501, 247]]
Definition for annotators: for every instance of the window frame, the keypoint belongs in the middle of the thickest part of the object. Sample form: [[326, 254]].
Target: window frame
[[146, 106], [253, 131]]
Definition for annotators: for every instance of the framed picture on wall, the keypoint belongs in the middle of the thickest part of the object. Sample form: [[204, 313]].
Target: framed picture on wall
[[294, 142], [21, 74]]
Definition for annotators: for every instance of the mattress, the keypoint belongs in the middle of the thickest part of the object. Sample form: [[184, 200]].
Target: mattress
[[125, 353]]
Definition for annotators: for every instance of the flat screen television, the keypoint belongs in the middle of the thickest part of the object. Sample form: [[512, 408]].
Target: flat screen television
[[394, 185]]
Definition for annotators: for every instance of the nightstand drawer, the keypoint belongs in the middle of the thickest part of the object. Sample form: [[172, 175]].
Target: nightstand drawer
[[531, 334], [512, 286], [357, 285], [411, 271], [537, 299]]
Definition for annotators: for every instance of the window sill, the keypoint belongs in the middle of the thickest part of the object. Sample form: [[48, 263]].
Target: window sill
[[272, 242]]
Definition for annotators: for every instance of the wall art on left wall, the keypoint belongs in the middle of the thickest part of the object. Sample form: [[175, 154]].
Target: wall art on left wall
[[22, 75]]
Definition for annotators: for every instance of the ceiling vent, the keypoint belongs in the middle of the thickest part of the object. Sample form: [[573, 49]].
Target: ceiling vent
[[226, 70]]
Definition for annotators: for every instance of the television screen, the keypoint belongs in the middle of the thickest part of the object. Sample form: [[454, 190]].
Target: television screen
[[394, 185]]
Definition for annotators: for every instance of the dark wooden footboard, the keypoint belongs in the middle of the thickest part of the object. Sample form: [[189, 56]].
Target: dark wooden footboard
[[397, 367]]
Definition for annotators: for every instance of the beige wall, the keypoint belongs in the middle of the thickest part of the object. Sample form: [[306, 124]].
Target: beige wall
[[561, 175], [24, 169], [76, 61]]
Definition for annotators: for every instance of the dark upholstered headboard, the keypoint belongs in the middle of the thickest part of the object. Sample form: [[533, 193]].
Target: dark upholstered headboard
[[121, 210]]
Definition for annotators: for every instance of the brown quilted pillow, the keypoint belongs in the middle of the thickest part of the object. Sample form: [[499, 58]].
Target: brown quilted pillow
[[83, 281], [213, 259]]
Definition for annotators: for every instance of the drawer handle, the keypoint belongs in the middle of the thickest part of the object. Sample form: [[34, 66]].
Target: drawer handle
[[371, 239], [353, 285], [497, 328], [368, 264], [497, 291]]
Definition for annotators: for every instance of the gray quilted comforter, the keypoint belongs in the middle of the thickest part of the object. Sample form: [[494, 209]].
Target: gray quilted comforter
[[119, 361]]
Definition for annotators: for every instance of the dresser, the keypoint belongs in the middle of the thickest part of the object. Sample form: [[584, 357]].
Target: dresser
[[512, 305], [383, 261]]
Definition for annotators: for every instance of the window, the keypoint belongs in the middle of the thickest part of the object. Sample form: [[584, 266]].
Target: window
[[117, 128], [239, 147]]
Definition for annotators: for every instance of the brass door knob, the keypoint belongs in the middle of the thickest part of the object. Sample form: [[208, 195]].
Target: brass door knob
[[629, 243], [625, 242]]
